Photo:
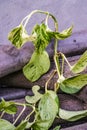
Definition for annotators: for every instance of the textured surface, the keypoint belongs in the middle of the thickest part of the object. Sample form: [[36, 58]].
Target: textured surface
[[67, 12]]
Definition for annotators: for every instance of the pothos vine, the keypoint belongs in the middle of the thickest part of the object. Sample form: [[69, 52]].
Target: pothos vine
[[45, 107]]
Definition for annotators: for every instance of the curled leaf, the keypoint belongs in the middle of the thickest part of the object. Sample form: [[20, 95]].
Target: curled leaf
[[18, 36], [36, 97], [61, 35], [73, 84], [81, 64], [38, 65], [8, 107], [72, 115], [42, 38]]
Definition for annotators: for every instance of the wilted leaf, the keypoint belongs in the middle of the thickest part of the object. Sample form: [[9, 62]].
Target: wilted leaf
[[72, 115], [5, 125], [38, 65], [8, 107], [73, 84], [62, 35], [36, 97], [18, 36], [81, 64], [42, 38]]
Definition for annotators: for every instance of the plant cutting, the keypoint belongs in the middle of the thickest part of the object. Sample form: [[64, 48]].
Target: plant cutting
[[45, 107]]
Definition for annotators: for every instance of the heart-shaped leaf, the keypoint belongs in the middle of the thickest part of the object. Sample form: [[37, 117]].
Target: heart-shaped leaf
[[81, 64], [36, 97], [73, 84], [72, 115], [47, 111], [38, 65]]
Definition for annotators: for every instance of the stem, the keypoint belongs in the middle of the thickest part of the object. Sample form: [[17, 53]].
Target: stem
[[56, 60], [27, 18], [19, 115], [46, 20], [23, 104], [28, 117], [56, 87], [66, 60], [2, 114], [62, 65], [50, 77]]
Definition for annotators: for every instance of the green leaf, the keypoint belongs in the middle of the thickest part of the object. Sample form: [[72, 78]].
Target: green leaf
[[5, 125], [41, 125], [37, 96], [57, 128], [54, 96], [60, 36], [8, 107], [72, 115], [18, 36], [73, 84], [22, 125], [29, 125], [81, 64], [12, 109], [42, 38], [38, 65], [48, 109]]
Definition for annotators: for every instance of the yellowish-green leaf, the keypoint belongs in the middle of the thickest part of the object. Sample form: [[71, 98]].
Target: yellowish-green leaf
[[18, 36], [47, 110], [22, 125], [8, 107], [61, 35], [38, 65], [57, 128], [72, 115], [36, 97], [5, 125], [81, 64], [73, 84], [42, 38]]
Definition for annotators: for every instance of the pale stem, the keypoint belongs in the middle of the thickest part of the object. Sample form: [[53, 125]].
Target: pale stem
[[46, 21], [62, 68], [28, 117], [23, 104], [56, 60], [66, 60], [19, 115], [50, 77], [27, 18], [2, 114]]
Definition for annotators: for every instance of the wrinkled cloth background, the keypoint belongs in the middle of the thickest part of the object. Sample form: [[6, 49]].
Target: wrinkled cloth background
[[67, 12]]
